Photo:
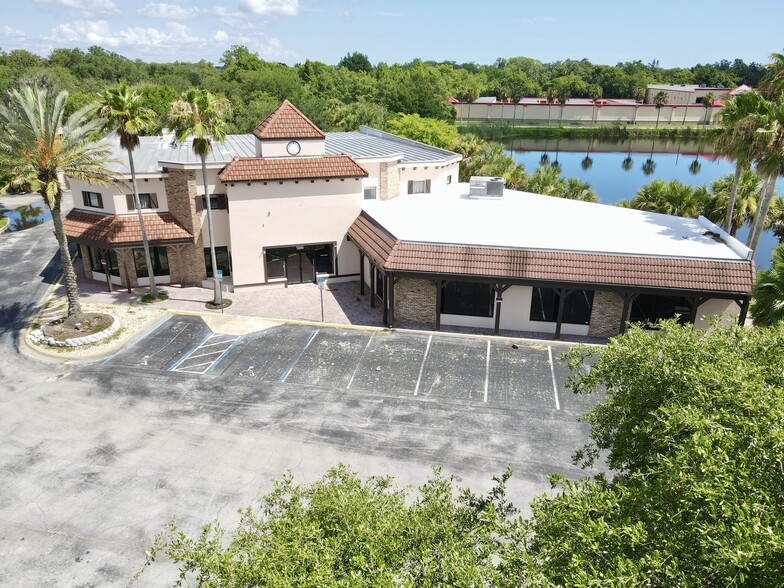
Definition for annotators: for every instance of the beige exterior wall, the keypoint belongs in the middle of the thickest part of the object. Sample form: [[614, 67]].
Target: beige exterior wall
[[438, 176], [270, 148], [288, 214], [727, 309], [516, 314], [584, 114]]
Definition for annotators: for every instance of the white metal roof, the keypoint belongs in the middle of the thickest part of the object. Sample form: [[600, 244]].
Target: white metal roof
[[155, 152], [522, 220]]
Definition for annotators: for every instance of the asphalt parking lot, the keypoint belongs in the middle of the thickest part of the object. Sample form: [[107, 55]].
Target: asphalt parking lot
[[445, 368]]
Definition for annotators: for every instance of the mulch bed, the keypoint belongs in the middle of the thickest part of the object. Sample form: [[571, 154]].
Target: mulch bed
[[88, 324]]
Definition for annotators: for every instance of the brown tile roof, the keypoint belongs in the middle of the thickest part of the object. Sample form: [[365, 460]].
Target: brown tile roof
[[287, 122], [699, 275], [255, 169], [123, 230]]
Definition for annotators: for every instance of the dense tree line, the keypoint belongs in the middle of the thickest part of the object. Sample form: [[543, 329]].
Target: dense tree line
[[354, 91]]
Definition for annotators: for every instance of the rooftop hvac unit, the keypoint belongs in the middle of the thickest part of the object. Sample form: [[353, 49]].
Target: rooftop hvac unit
[[480, 186]]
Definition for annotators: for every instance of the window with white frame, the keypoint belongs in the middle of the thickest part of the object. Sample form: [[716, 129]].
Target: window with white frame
[[419, 186], [449, 179], [370, 193]]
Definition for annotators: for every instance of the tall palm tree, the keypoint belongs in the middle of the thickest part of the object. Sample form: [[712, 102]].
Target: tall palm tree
[[773, 82], [39, 145], [707, 102], [200, 115], [659, 101], [124, 112], [747, 194], [550, 99], [739, 119], [767, 297], [769, 151], [563, 98]]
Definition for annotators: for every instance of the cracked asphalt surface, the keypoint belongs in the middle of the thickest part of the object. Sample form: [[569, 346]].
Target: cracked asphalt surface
[[96, 458]]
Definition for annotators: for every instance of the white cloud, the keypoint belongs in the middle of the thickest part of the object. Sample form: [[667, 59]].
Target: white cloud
[[98, 6], [98, 32], [284, 7], [220, 36], [167, 11], [7, 31]]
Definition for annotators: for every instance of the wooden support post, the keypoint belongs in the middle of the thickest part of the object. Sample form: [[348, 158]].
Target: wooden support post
[[627, 300], [391, 298], [385, 301], [361, 274], [744, 310], [499, 291], [694, 304], [559, 319], [372, 286], [439, 293]]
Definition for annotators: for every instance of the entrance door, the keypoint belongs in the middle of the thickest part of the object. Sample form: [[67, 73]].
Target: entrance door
[[299, 267]]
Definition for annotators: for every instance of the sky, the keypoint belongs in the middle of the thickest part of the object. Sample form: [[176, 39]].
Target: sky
[[676, 33]]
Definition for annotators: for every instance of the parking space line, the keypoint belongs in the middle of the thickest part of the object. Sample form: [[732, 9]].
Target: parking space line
[[422, 367], [224, 354], [487, 369], [359, 361], [552, 373], [187, 355], [219, 354], [287, 371]]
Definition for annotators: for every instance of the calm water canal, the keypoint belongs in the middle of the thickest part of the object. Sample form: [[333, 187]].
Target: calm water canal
[[690, 163]]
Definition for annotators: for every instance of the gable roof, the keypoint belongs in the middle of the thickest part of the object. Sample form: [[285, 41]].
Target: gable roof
[[256, 169], [287, 122], [124, 230]]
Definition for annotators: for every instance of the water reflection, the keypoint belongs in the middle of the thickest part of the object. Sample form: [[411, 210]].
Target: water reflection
[[618, 169], [26, 217]]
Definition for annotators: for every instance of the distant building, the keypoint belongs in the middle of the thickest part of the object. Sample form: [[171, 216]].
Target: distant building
[[684, 93]]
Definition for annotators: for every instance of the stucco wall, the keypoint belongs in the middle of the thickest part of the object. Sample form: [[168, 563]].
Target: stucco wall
[[269, 148], [436, 174], [584, 114], [727, 309], [290, 213]]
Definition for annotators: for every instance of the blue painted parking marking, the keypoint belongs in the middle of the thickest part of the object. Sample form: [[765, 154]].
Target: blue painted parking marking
[[206, 355], [294, 359]]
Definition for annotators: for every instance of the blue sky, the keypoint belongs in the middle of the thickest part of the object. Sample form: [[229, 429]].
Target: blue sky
[[678, 33]]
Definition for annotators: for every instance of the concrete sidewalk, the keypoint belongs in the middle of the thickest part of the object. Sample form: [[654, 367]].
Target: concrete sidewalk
[[343, 305]]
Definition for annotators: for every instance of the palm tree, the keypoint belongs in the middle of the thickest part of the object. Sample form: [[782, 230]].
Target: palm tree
[[596, 95], [627, 163], [124, 112], [747, 193], [659, 101], [550, 99], [671, 197], [563, 98], [707, 102], [39, 145], [695, 166], [739, 119], [202, 116], [767, 297], [773, 82]]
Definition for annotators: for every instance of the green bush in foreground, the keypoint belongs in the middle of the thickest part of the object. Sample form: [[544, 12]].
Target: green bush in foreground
[[692, 425]]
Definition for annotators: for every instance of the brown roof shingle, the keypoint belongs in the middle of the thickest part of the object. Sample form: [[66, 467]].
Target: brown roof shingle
[[699, 275], [250, 169], [287, 122], [124, 230]]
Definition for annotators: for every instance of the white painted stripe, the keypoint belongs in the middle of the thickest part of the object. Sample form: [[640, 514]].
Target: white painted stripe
[[229, 341], [552, 373], [422, 367], [487, 369], [218, 352], [290, 367], [359, 361]]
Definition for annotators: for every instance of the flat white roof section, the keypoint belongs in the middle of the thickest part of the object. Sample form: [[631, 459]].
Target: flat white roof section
[[521, 220]]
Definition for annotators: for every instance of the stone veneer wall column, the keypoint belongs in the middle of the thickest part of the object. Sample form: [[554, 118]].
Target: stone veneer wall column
[[415, 300], [388, 181], [84, 252], [182, 198], [606, 314], [126, 267]]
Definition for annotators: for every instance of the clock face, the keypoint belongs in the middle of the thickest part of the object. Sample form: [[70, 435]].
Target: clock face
[[293, 148]]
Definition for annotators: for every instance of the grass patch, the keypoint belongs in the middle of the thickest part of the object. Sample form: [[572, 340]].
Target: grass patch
[[226, 304], [146, 298], [4, 220]]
